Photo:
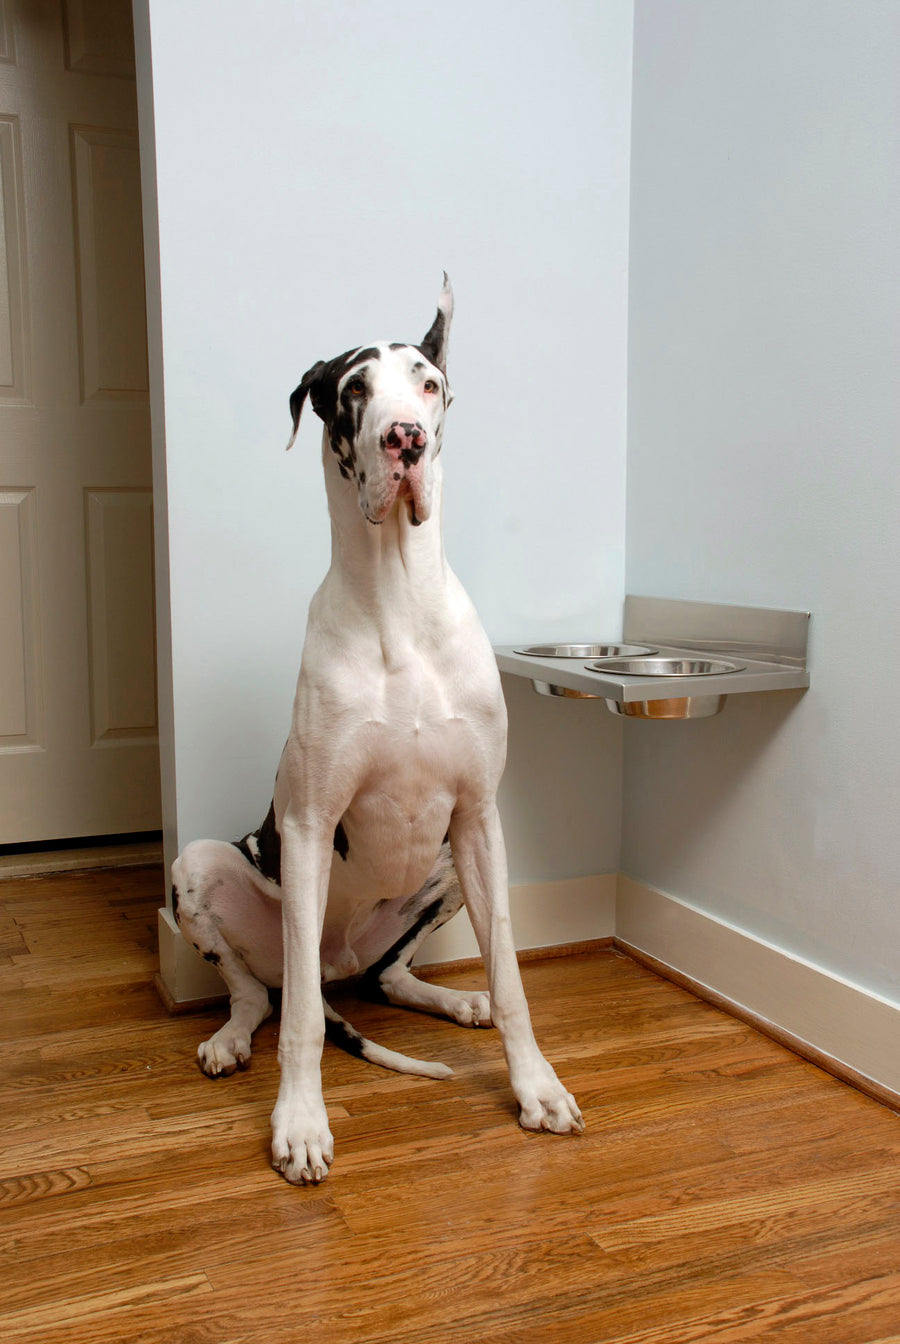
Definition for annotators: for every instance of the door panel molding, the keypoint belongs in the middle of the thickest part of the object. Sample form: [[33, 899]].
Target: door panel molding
[[21, 690], [99, 38], [14, 326], [112, 315], [7, 37], [119, 551]]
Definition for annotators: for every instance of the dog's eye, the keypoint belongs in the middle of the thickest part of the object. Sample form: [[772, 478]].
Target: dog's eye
[[356, 387], [430, 385]]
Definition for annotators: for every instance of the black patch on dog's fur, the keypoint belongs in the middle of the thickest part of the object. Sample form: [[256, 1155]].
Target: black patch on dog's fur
[[344, 430], [213, 957], [340, 1033], [341, 843], [435, 341], [245, 849], [320, 384], [269, 840], [370, 984], [267, 860]]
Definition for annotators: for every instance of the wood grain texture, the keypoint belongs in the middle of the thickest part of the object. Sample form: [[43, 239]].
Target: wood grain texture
[[887, 1095], [725, 1192]]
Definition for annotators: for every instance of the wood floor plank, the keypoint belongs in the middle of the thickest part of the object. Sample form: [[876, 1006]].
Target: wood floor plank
[[40, 1185], [368, 1299], [823, 1206], [845, 1315], [65, 1314]]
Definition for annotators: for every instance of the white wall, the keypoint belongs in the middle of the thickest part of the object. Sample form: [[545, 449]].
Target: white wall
[[763, 458], [317, 167]]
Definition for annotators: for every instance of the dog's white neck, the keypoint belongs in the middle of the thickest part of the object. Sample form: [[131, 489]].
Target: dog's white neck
[[393, 574]]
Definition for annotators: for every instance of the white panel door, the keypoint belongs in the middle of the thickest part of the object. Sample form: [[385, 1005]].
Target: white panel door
[[78, 735]]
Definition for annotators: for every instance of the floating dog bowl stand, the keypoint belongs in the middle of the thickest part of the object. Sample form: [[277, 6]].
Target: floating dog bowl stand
[[676, 660]]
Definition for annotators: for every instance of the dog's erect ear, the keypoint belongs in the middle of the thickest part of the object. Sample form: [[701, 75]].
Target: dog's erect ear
[[434, 346], [299, 395]]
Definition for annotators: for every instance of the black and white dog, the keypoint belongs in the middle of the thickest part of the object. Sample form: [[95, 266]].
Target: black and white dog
[[384, 818]]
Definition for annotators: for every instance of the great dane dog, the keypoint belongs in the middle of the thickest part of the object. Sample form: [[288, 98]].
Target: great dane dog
[[384, 817]]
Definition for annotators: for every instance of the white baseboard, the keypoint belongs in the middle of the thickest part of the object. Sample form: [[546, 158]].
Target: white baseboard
[[849, 1030], [544, 914]]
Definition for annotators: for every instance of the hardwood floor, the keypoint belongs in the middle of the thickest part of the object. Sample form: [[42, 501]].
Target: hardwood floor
[[724, 1191]]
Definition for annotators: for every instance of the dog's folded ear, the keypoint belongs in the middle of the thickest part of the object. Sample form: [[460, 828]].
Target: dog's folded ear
[[434, 345], [299, 395]]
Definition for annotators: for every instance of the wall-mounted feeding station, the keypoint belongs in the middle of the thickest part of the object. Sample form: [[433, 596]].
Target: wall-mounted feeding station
[[676, 659]]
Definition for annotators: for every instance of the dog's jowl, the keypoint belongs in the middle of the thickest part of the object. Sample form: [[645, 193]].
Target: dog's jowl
[[384, 819]]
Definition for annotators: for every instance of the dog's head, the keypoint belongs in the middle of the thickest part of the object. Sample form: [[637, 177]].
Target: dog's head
[[383, 407]]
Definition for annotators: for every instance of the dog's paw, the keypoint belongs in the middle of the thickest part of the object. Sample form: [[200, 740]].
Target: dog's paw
[[302, 1146], [545, 1104], [223, 1053], [471, 1009]]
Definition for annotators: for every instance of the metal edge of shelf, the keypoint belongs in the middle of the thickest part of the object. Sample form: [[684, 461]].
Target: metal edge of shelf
[[755, 677]]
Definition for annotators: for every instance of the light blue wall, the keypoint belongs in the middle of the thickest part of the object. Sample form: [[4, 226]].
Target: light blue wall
[[763, 462], [310, 193], [317, 168]]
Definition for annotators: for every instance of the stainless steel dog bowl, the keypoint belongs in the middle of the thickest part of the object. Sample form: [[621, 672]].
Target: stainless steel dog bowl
[[682, 707], [585, 650], [666, 667], [548, 688], [579, 651], [662, 707], [675, 707]]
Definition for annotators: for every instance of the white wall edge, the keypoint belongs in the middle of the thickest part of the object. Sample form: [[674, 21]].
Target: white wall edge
[[165, 692], [852, 1026]]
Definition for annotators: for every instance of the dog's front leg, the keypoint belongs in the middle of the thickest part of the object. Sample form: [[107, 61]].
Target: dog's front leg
[[302, 1146], [479, 854]]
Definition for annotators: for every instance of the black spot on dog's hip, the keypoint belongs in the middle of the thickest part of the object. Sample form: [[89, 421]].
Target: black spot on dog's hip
[[341, 843]]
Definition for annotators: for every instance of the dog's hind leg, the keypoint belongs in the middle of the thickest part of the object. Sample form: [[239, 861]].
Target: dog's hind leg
[[390, 979], [223, 908]]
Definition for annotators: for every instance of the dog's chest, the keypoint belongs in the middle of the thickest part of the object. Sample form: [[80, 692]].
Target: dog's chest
[[401, 807], [415, 754]]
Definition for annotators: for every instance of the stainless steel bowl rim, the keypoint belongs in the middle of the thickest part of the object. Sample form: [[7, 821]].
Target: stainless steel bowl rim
[[665, 667], [589, 649]]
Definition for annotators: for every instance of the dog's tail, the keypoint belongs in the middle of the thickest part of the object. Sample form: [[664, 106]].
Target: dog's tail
[[348, 1038]]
